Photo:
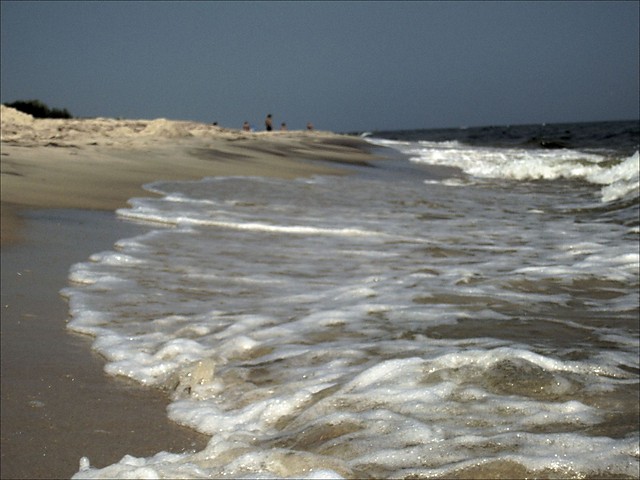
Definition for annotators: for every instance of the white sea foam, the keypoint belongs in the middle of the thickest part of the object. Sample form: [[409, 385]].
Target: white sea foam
[[316, 328], [619, 178]]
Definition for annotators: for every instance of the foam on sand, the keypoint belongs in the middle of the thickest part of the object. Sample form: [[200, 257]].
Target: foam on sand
[[100, 164]]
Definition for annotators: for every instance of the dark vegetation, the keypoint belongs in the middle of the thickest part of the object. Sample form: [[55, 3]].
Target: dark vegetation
[[38, 109]]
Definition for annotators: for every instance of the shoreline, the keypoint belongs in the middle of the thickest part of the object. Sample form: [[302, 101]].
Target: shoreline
[[58, 202], [105, 178], [57, 402]]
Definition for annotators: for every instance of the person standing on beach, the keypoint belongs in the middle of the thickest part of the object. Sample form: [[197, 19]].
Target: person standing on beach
[[268, 123], [246, 127], [283, 126], [309, 126]]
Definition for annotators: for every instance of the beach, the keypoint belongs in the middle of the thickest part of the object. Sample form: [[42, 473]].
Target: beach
[[99, 164], [62, 180], [181, 300]]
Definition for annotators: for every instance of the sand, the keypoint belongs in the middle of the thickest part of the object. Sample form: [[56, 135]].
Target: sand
[[61, 181], [101, 163], [56, 401]]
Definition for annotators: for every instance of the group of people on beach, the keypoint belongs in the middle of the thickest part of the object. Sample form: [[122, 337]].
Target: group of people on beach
[[268, 125]]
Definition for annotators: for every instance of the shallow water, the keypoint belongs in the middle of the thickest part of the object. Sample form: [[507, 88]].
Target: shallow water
[[422, 317]]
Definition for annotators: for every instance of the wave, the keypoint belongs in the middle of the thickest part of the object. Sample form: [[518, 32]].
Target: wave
[[619, 177], [363, 327], [621, 180]]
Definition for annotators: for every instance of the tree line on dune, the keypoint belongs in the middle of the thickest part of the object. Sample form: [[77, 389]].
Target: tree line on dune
[[38, 109]]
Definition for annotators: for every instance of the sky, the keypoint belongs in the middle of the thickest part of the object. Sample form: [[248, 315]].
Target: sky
[[344, 66]]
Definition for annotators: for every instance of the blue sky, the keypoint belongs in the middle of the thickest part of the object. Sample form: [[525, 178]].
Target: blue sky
[[345, 66]]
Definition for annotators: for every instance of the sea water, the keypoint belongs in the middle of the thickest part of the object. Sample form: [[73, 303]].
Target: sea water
[[467, 309]]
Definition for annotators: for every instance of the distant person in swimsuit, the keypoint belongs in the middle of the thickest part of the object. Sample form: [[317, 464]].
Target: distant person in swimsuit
[[268, 125], [283, 127], [309, 126], [246, 127]]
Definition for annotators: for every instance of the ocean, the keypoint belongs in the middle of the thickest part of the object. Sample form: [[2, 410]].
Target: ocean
[[466, 308]]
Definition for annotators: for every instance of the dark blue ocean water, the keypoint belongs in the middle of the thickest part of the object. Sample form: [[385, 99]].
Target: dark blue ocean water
[[622, 137]]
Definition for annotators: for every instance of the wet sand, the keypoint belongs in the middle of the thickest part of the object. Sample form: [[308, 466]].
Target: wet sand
[[57, 404], [57, 204]]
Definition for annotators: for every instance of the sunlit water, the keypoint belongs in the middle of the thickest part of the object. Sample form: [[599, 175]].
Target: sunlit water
[[470, 310]]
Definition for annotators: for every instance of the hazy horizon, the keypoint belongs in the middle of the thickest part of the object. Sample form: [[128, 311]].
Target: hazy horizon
[[344, 66]]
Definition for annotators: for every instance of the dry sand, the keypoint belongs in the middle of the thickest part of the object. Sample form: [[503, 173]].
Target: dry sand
[[57, 404]]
